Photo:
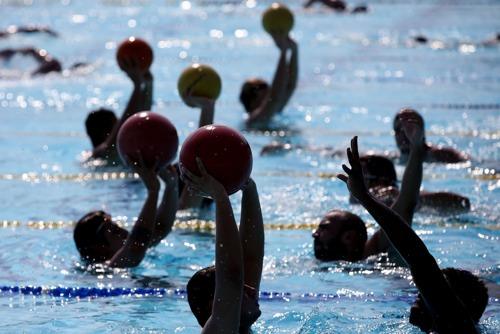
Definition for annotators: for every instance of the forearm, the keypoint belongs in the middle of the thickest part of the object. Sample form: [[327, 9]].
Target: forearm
[[293, 71], [189, 200], [400, 234], [252, 235], [165, 216], [207, 115], [228, 252], [148, 95]]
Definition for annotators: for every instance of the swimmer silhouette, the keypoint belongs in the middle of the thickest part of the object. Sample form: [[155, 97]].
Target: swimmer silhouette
[[262, 101], [381, 181], [31, 29], [102, 125], [449, 300], [337, 5], [100, 240], [224, 298], [432, 153], [46, 63], [341, 235]]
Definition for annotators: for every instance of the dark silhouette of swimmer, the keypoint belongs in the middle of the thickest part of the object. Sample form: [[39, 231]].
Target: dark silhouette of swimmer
[[432, 153], [492, 41], [420, 39], [262, 101], [449, 300], [381, 181], [342, 235], [224, 298], [337, 5], [46, 63], [100, 240], [12, 30], [102, 125]]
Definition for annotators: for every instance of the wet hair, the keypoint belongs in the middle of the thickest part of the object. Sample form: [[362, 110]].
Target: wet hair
[[336, 249], [99, 124], [87, 237], [413, 112], [379, 169], [201, 292], [249, 92], [469, 289]]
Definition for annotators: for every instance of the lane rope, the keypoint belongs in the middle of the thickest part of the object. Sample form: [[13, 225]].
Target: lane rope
[[477, 173], [201, 225], [268, 296]]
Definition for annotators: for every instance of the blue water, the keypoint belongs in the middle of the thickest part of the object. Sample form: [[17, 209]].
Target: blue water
[[355, 73]]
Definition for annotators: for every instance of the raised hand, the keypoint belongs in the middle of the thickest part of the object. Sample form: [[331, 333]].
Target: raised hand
[[354, 178], [132, 69], [281, 41], [413, 129], [169, 175], [205, 184], [148, 175]]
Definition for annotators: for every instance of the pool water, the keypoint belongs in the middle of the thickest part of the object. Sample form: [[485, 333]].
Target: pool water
[[356, 71]]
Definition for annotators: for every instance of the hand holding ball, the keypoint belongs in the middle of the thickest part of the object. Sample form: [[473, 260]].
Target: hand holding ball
[[224, 152], [200, 81], [149, 137], [278, 19], [137, 50]]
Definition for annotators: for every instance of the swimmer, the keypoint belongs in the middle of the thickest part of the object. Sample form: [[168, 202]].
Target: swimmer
[[381, 181], [224, 298], [432, 153], [342, 235], [337, 5], [492, 41], [262, 101], [46, 63], [102, 125], [100, 240], [449, 300], [11, 30]]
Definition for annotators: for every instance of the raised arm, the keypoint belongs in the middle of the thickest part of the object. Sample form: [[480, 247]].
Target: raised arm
[[139, 239], [293, 71], [134, 105], [226, 307], [148, 91], [436, 293], [165, 215], [272, 103], [252, 235], [408, 197]]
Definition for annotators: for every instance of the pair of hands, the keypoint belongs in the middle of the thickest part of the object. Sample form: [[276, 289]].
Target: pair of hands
[[149, 175], [206, 184], [134, 72], [283, 41]]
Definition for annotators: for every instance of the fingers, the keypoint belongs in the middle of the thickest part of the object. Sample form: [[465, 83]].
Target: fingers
[[347, 169], [354, 146], [342, 177], [189, 175], [201, 167]]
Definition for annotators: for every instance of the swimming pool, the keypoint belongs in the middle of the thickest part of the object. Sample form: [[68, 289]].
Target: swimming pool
[[355, 73]]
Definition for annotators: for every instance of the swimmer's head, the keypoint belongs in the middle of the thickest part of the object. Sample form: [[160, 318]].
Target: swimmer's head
[[401, 140], [253, 93], [201, 292], [467, 287], [340, 235], [99, 124], [378, 171], [97, 237]]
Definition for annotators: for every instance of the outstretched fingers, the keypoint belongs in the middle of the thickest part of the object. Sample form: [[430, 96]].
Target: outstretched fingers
[[343, 177]]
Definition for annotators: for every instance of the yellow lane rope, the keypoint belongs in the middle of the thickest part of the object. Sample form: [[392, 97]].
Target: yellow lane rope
[[208, 225], [484, 174]]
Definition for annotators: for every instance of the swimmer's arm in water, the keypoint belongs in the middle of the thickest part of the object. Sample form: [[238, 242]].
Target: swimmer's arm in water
[[252, 235], [226, 307], [430, 281], [165, 215], [446, 202], [108, 148], [272, 103], [407, 199], [445, 155], [293, 71], [139, 239]]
